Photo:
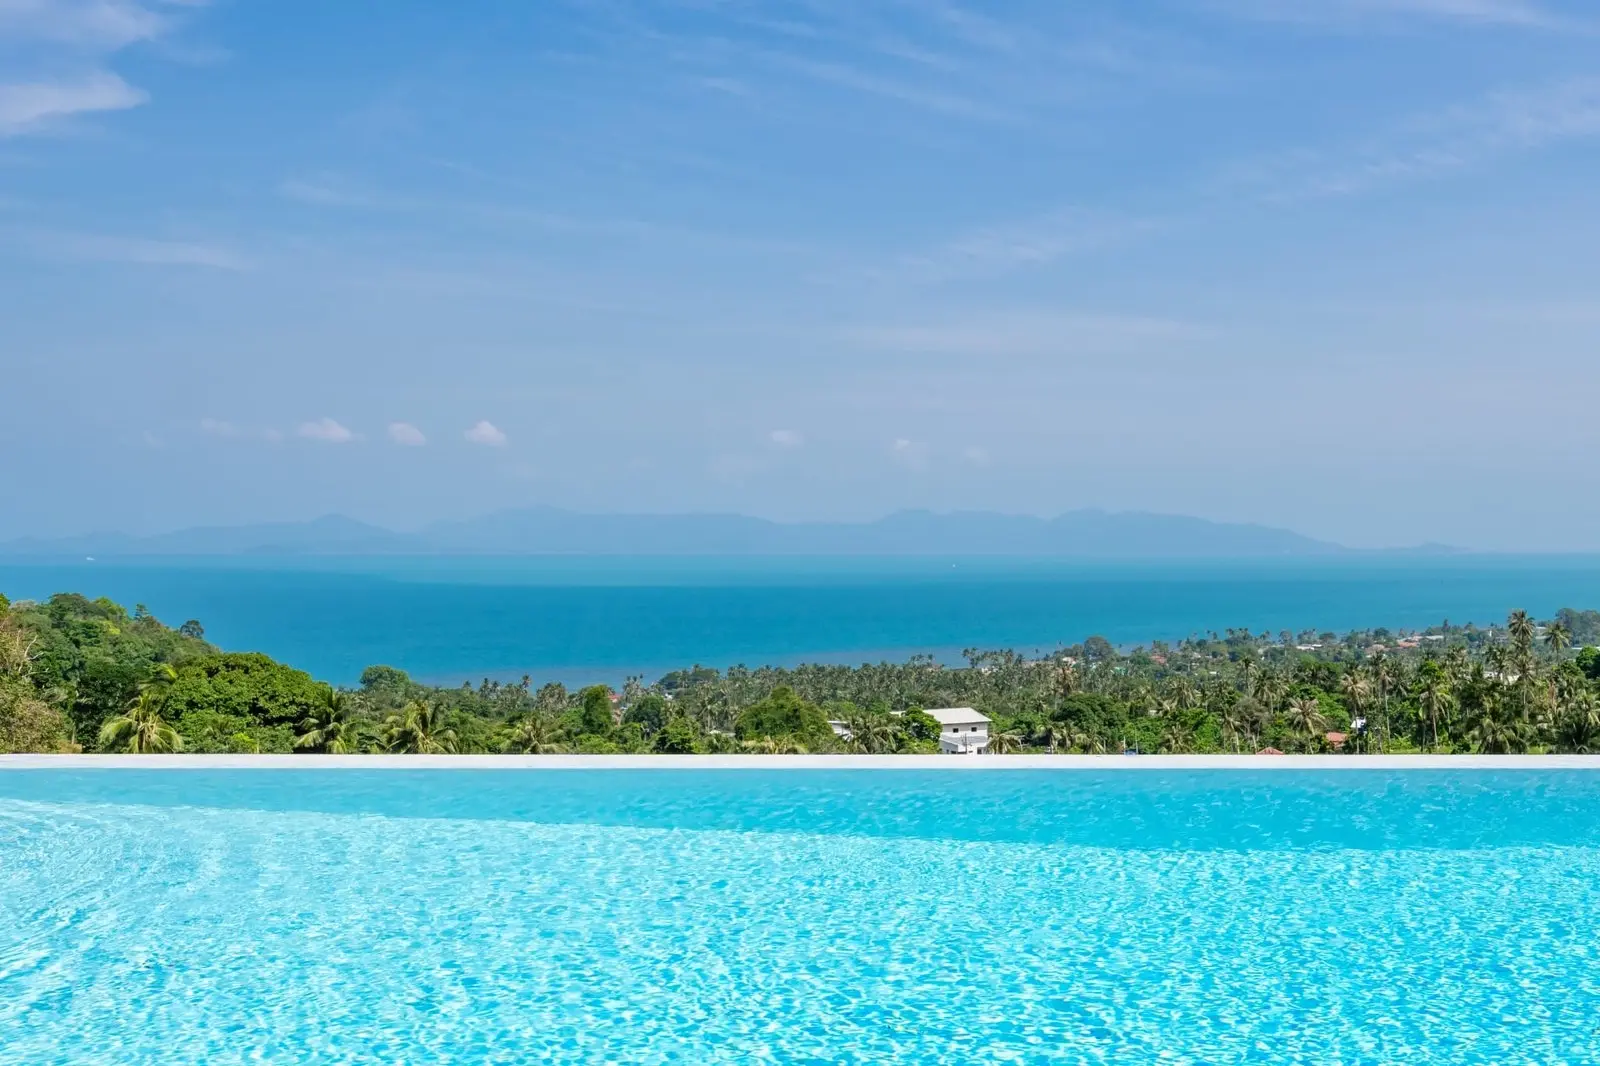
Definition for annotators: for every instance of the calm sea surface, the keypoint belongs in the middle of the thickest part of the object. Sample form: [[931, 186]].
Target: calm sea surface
[[582, 619], [1362, 918]]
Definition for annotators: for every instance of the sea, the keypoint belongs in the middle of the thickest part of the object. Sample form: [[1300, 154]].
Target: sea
[[600, 619]]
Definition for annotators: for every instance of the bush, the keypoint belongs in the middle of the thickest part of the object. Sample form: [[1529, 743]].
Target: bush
[[783, 714], [248, 686]]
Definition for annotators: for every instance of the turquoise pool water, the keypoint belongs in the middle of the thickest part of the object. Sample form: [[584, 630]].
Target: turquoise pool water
[[490, 916]]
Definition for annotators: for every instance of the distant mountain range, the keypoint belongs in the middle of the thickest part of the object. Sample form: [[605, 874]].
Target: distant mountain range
[[551, 531]]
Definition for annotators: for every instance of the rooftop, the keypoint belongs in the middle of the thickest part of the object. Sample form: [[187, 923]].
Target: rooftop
[[957, 716]]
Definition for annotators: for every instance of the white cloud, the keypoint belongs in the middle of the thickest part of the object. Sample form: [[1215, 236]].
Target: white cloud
[[85, 25], [28, 106], [69, 44], [976, 456], [1431, 146], [909, 453], [1028, 333], [216, 427], [486, 433], [327, 430], [142, 251], [1336, 12], [1022, 244], [407, 434], [787, 438]]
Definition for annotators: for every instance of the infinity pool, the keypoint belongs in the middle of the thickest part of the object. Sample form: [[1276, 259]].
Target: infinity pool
[[703, 916]]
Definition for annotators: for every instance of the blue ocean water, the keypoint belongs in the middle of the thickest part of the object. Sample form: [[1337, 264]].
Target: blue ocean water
[[749, 916], [586, 619]]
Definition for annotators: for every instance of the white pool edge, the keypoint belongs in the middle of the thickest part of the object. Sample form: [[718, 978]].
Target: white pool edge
[[991, 763]]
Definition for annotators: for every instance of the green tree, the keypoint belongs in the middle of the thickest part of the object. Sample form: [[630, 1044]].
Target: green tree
[[1577, 724], [1306, 720], [676, 737], [332, 727], [419, 729], [1496, 730], [595, 714], [246, 685], [1004, 743], [535, 734], [784, 714], [650, 710], [1434, 696], [141, 730]]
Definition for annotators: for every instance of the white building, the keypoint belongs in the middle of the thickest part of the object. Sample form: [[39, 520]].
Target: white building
[[962, 730]]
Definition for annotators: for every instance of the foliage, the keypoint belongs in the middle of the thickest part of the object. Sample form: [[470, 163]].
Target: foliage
[[782, 714], [141, 729], [81, 671]]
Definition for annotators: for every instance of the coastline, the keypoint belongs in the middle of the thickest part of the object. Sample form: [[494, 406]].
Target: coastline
[[954, 763]]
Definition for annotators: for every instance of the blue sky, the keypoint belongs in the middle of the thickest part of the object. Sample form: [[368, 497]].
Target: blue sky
[[1328, 264]]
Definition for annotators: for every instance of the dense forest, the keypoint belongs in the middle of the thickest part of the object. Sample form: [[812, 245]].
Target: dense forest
[[86, 675]]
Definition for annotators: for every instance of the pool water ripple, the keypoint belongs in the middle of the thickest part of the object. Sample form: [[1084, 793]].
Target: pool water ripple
[[138, 933]]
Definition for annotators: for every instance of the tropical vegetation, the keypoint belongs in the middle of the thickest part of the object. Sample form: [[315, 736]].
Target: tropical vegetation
[[87, 675]]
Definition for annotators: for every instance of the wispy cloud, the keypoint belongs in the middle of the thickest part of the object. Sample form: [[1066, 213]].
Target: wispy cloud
[[928, 98], [328, 191], [487, 434], [216, 427], [909, 453], [406, 434], [104, 248], [786, 438], [1348, 13], [326, 430], [937, 57], [69, 44], [90, 25], [1428, 146], [1026, 333], [1036, 241], [29, 106]]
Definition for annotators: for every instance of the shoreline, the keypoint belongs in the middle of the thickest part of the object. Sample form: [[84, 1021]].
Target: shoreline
[[953, 763]]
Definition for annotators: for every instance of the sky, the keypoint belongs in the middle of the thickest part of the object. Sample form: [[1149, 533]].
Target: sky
[[1324, 264]]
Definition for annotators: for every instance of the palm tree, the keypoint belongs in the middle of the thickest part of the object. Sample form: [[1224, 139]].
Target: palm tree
[[140, 730], [1272, 690], [1436, 699], [1058, 735], [535, 734], [1177, 738], [1185, 694], [332, 727], [1519, 627], [1557, 638], [873, 734], [1495, 732], [1237, 721], [1004, 743], [1356, 690], [419, 729], [1307, 720], [1383, 676], [720, 743], [162, 676], [1577, 727]]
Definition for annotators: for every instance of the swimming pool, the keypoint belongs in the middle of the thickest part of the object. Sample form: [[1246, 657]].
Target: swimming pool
[[694, 916]]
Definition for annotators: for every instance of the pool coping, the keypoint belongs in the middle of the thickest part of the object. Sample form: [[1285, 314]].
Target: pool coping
[[1000, 763]]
